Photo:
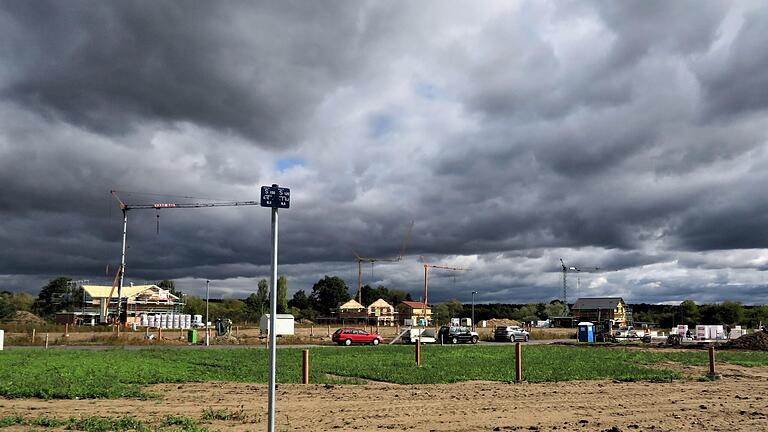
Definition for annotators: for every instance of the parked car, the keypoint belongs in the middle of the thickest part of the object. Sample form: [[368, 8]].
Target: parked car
[[457, 334], [348, 336], [423, 335], [510, 334]]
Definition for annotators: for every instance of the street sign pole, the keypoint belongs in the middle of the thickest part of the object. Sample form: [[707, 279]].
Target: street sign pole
[[274, 197], [272, 319]]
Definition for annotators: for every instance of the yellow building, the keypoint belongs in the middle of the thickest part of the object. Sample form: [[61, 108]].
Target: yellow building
[[416, 313]]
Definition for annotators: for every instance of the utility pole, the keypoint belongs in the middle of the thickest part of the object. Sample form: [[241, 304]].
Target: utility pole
[[207, 299], [473, 310]]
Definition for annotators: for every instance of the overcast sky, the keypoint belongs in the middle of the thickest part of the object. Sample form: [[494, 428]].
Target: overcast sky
[[629, 136]]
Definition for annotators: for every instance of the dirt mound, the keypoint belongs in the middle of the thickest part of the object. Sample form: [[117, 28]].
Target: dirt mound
[[24, 317], [757, 341], [497, 322]]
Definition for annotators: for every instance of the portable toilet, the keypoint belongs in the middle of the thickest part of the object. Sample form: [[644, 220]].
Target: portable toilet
[[586, 332]]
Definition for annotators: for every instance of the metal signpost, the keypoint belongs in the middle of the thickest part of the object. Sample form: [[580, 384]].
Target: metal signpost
[[276, 198]]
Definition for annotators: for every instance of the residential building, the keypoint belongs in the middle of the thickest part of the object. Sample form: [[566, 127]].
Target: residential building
[[352, 310], [100, 302], [415, 313], [601, 309], [382, 313]]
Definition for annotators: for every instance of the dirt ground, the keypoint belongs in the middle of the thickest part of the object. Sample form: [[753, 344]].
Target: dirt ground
[[240, 335], [738, 402]]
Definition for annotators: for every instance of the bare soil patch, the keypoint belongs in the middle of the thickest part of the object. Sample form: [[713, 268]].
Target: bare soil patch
[[738, 402]]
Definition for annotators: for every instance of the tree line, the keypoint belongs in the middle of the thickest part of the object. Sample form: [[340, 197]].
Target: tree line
[[331, 291]]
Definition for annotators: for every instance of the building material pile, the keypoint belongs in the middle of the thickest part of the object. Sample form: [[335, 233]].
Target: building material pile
[[24, 317], [757, 341], [497, 322]]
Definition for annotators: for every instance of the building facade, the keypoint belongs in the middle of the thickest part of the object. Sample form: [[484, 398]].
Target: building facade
[[382, 313], [414, 313], [601, 309]]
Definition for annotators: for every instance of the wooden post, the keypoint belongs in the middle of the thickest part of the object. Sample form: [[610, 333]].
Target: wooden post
[[329, 329], [146, 332], [237, 331], [66, 329], [418, 352], [159, 333], [518, 363], [312, 330], [712, 374], [46, 341], [305, 366], [33, 335]]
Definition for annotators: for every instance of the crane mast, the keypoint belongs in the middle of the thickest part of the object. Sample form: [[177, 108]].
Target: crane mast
[[427, 266], [565, 269], [125, 208], [360, 260]]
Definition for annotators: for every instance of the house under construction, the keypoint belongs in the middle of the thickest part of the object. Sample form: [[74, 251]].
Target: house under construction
[[100, 304]]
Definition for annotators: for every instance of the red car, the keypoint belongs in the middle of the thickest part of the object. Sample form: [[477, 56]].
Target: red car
[[348, 336]]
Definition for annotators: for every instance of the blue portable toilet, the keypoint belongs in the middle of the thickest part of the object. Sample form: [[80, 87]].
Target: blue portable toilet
[[586, 332]]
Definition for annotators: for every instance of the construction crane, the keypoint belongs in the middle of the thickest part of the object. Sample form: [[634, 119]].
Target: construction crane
[[572, 268], [125, 208], [427, 266], [360, 260]]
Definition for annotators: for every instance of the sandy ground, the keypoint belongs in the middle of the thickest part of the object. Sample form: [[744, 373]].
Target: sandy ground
[[738, 402]]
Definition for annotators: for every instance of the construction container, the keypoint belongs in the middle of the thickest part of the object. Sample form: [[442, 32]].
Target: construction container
[[586, 332], [192, 336], [283, 324], [736, 333], [710, 332]]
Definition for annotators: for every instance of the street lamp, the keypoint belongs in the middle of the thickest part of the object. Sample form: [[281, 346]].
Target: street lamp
[[473, 310], [207, 298]]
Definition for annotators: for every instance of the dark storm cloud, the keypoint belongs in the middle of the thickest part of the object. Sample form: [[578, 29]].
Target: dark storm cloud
[[109, 66], [512, 135]]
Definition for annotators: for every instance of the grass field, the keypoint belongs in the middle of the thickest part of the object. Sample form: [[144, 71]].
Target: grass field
[[119, 373]]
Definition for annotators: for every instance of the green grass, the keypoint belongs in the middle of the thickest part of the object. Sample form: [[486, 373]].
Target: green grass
[[105, 424], [118, 373]]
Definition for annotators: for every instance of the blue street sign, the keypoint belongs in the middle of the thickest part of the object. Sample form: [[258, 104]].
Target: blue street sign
[[275, 197]]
